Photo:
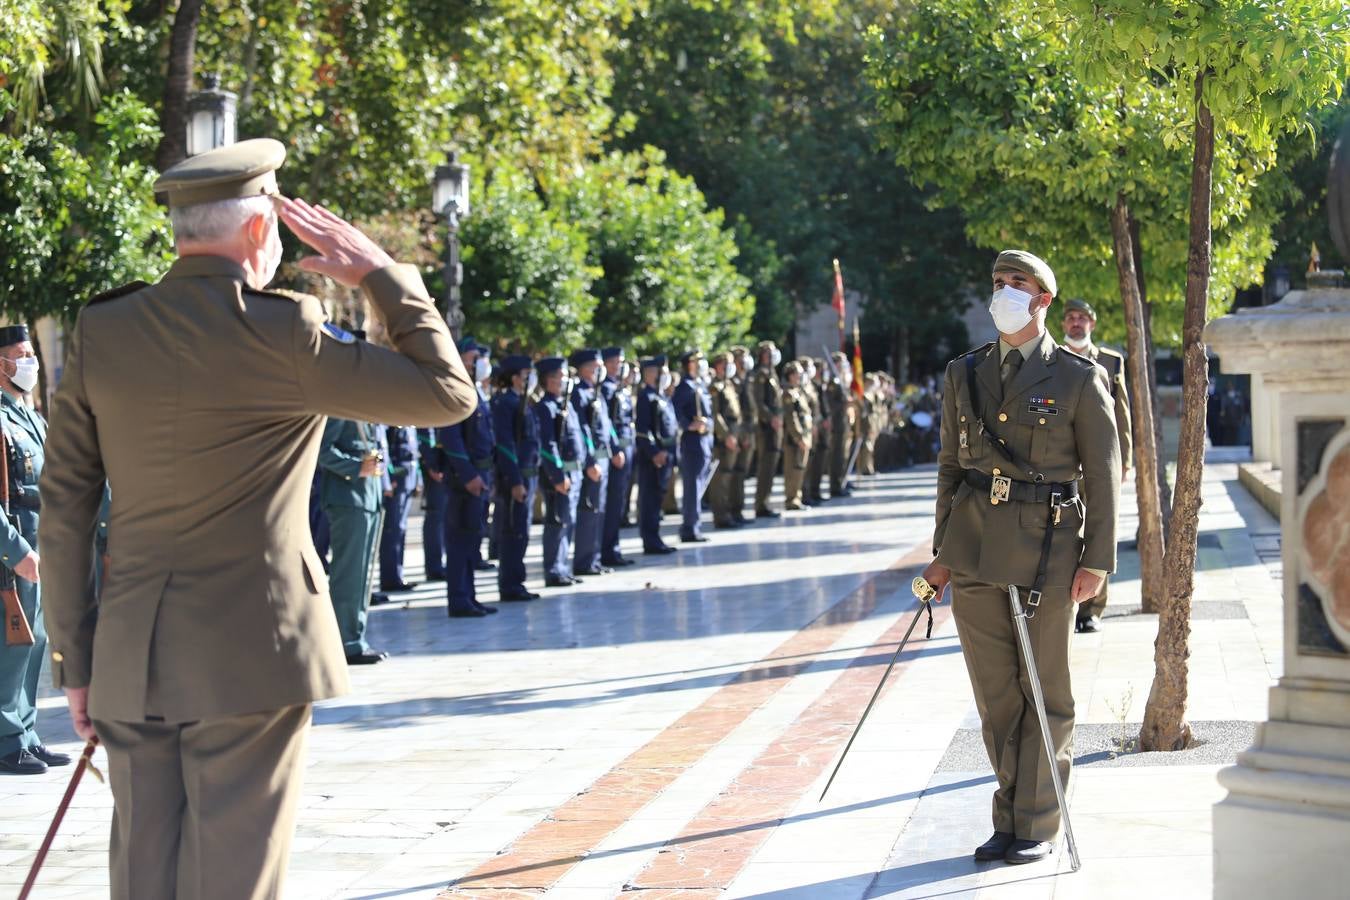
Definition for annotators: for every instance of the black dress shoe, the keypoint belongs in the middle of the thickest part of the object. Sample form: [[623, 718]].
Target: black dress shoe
[[50, 757], [565, 581], [726, 523], [379, 598], [469, 612], [659, 551], [995, 847], [521, 597], [1024, 851], [1089, 624], [618, 562], [22, 762], [484, 566], [486, 610], [767, 514], [398, 586], [366, 658], [598, 570], [694, 539]]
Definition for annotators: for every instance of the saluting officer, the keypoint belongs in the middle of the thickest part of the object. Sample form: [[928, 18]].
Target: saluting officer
[[405, 478], [746, 433], [797, 428], [657, 433], [215, 632], [1080, 320], [693, 411], [601, 453], [21, 750], [727, 420], [767, 396], [517, 472], [1024, 423], [619, 401], [467, 447], [562, 456]]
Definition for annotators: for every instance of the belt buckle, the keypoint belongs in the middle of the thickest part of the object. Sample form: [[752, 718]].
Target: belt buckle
[[1000, 489]]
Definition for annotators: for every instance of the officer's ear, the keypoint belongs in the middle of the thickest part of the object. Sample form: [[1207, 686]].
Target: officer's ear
[[257, 229]]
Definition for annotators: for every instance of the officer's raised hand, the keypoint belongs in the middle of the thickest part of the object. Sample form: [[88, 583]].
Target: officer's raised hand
[[344, 254]]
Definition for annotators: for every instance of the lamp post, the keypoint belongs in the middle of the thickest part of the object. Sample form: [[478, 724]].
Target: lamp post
[[210, 117], [450, 198]]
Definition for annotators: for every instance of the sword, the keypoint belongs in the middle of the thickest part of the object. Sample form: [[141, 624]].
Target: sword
[[86, 761], [924, 591], [712, 470], [1020, 616], [852, 461]]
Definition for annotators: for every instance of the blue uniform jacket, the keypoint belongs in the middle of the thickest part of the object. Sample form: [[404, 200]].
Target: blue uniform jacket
[[595, 426], [619, 404], [431, 455], [468, 445], [26, 431], [401, 461], [517, 431], [691, 401], [343, 450], [559, 458], [656, 425]]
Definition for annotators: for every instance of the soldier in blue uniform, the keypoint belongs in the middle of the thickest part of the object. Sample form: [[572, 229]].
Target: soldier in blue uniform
[[21, 750], [468, 457], [693, 411], [591, 410], [619, 403], [435, 492], [656, 439], [318, 519], [405, 478], [517, 473], [562, 456], [354, 479]]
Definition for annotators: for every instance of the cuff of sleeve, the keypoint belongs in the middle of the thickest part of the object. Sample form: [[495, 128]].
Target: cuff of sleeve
[[15, 552], [393, 283], [69, 672], [1100, 573]]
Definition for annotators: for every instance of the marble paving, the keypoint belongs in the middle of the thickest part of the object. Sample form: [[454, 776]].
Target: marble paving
[[666, 731]]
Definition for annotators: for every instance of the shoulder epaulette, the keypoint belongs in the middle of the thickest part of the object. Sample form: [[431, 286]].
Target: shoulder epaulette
[[122, 291], [980, 349], [1107, 351], [1077, 357], [279, 293]]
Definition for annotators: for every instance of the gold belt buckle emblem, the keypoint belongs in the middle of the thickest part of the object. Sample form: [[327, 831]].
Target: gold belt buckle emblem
[[1000, 489]]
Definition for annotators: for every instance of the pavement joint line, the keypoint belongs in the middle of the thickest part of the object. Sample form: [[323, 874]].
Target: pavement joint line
[[638, 778]]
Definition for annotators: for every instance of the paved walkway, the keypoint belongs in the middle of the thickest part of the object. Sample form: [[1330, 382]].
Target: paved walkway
[[666, 731]]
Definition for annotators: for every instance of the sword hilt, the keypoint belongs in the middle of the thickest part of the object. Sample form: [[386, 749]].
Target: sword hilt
[[922, 589]]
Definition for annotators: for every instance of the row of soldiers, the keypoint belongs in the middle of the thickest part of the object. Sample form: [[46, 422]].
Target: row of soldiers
[[566, 441]]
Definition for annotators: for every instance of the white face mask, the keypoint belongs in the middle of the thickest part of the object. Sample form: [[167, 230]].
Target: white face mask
[[663, 383], [1078, 344], [26, 373], [532, 381], [625, 372], [811, 373], [481, 368], [731, 369], [775, 357], [703, 369], [1010, 309]]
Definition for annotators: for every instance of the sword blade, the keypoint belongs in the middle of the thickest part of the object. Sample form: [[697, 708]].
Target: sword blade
[[1037, 695]]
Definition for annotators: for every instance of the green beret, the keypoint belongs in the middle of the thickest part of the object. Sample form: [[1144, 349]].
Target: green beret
[[1027, 264], [245, 169], [1081, 306]]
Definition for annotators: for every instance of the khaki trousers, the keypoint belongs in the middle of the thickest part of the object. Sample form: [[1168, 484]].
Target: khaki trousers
[[204, 810], [744, 460], [1024, 802], [841, 445], [815, 467], [769, 445], [794, 473], [720, 488]]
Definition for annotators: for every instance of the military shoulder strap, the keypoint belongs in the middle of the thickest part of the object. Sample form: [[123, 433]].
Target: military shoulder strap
[[972, 360], [113, 294]]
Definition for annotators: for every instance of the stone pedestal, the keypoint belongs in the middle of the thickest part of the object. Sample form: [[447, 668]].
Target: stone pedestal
[[1284, 828]]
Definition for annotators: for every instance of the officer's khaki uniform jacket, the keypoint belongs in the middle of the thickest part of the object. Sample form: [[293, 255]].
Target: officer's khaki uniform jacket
[[203, 403], [1058, 416], [726, 414], [1114, 364]]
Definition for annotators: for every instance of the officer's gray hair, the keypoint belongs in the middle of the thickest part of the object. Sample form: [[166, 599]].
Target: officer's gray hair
[[217, 220]]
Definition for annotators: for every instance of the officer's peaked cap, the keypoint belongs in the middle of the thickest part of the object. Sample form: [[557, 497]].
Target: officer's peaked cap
[[611, 353], [245, 169], [580, 358], [512, 364], [550, 364], [655, 362]]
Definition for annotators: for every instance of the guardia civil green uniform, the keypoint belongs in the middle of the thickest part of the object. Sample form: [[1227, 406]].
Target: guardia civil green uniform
[[1057, 419]]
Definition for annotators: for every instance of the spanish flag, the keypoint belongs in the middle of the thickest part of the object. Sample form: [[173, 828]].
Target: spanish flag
[[857, 361], [838, 300]]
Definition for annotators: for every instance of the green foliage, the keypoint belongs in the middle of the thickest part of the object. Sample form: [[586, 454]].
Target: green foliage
[[667, 277], [526, 275]]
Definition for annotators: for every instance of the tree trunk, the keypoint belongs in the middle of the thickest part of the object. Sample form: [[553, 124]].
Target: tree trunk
[[173, 114], [1150, 536], [1164, 489], [1165, 726]]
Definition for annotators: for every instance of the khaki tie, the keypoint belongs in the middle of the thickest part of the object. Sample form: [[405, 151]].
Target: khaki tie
[[1011, 364]]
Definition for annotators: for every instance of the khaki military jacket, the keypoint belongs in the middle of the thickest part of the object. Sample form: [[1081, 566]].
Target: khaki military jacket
[[1114, 364], [726, 410], [797, 422], [203, 403], [813, 403], [766, 395], [1057, 415], [841, 409], [747, 407]]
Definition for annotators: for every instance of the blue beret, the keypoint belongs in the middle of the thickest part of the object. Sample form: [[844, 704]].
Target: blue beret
[[582, 357], [513, 364], [611, 353], [655, 362], [550, 364], [13, 334]]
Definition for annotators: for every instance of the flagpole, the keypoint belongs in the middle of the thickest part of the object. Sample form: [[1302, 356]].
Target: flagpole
[[839, 303]]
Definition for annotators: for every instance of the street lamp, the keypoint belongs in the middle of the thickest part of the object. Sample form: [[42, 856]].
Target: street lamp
[[450, 198], [211, 117]]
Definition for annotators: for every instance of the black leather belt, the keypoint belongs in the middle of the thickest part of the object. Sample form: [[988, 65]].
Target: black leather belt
[[1003, 489]]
